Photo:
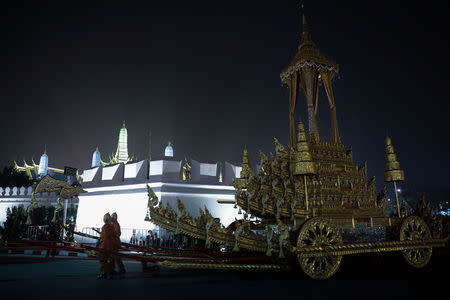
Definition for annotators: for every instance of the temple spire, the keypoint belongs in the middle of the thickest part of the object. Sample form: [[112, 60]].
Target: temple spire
[[122, 146]]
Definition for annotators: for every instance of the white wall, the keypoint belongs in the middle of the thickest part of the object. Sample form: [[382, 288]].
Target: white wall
[[130, 204], [131, 210]]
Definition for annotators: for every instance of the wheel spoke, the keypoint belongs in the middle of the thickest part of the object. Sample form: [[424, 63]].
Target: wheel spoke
[[319, 232], [414, 228]]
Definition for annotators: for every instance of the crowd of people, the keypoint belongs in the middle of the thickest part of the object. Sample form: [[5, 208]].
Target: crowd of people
[[152, 240]]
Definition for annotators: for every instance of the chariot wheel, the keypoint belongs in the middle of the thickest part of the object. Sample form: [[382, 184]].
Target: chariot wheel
[[414, 228], [319, 232]]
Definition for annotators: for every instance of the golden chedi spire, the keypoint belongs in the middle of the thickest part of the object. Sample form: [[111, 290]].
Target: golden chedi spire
[[306, 37], [246, 170], [392, 170], [303, 163]]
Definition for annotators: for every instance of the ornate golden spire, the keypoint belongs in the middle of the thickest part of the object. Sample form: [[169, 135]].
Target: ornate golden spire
[[306, 69], [246, 170], [303, 164], [306, 37], [392, 171], [307, 55]]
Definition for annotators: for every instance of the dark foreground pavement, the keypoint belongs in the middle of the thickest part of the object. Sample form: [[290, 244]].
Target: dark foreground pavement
[[360, 277]]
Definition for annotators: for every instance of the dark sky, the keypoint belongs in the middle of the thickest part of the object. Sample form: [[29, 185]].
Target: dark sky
[[205, 75]]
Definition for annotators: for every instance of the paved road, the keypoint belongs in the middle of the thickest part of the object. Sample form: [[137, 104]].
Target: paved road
[[360, 277]]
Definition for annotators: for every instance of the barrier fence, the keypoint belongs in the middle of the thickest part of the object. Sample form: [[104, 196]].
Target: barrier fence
[[35, 232], [127, 233]]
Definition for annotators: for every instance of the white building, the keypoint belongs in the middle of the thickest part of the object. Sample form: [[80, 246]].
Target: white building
[[122, 188]]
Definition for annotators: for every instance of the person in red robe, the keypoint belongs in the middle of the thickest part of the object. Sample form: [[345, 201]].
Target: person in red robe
[[117, 261], [106, 245]]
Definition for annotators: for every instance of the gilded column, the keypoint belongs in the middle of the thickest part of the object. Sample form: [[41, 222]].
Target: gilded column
[[293, 87], [392, 171], [309, 80], [327, 76]]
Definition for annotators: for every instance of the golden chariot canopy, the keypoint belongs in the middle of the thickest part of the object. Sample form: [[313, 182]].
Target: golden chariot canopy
[[308, 55]]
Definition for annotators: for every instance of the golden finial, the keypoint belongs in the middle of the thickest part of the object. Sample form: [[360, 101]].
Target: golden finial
[[305, 31], [392, 171]]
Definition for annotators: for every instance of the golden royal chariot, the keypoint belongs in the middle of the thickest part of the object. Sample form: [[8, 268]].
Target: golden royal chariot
[[306, 200], [308, 204]]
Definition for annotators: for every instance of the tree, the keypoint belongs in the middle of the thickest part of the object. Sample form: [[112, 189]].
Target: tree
[[14, 226], [10, 177]]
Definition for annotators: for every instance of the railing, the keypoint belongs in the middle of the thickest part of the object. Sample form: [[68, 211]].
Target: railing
[[16, 191], [34, 232]]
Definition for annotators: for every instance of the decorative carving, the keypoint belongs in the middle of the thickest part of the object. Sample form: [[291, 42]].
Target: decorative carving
[[414, 228], [319, 232], [66, 191], [283, 238], [392, 170], [269, 240]]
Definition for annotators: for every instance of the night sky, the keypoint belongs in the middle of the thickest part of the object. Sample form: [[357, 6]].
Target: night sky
[[205, 76]]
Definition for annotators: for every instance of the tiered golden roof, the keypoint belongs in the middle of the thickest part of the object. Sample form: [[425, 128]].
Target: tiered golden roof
[[308, 55], [392, 171]]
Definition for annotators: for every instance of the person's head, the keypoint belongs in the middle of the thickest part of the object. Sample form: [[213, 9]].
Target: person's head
[[107, 218], [114, 217]]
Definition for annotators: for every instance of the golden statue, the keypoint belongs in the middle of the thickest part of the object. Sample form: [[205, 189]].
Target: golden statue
[[186, 170]]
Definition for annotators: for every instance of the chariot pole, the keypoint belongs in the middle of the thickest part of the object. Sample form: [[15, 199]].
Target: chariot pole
[[392, 171]]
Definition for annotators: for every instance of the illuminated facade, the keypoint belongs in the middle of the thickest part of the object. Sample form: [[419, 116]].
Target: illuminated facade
[[122, 188]]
